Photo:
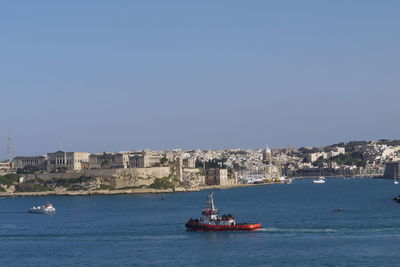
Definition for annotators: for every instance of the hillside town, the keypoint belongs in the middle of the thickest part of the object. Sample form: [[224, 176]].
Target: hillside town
[[67, 171]]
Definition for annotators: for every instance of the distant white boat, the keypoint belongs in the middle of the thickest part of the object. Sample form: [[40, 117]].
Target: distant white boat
[[45, 209], [320, 180]]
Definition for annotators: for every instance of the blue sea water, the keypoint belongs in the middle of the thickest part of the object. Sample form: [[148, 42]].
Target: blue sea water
[[301, 228]]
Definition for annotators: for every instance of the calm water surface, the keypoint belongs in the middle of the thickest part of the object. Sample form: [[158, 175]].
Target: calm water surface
[[301, 228]]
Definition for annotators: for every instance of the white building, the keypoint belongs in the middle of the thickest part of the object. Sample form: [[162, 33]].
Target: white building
[[66, 161], [5, 166]]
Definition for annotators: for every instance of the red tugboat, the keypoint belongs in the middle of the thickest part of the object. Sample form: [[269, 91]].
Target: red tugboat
[[212, 222]]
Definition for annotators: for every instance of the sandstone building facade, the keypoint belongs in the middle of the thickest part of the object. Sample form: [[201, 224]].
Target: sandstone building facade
[[109, 161], [68, 161], [36, 161], [144, 159], [218, 177]]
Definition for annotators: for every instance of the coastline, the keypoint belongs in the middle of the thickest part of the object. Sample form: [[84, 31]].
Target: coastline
[[341, 176], [149, 190], [121, 191]]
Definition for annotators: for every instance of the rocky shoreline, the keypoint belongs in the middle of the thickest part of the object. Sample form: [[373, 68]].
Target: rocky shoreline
[[140, 190], [118, 191]]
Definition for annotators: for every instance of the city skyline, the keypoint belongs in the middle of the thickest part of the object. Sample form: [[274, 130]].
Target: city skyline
[[10, 148], [97, 77]]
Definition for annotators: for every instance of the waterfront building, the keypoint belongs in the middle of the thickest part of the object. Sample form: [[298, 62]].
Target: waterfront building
[[40, 162], [66, 161], [218, 177], [109, 161]]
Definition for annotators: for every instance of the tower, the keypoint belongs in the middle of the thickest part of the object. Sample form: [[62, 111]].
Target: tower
[[267, 155], [179, 169], [9, 147]]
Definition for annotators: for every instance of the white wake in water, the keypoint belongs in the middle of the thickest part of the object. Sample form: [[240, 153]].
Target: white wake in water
[[296, 230], [329, 230]]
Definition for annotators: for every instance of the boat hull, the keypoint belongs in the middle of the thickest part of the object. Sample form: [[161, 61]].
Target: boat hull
[[222, 228], [41, 211]]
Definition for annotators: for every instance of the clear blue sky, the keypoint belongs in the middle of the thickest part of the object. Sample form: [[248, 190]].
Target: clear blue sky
[[117, 75]]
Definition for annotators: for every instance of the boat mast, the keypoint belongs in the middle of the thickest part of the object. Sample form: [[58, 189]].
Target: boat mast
[[211, 201]]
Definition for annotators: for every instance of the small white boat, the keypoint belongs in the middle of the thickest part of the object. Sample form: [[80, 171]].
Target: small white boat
[[45, 209], [320, 180]]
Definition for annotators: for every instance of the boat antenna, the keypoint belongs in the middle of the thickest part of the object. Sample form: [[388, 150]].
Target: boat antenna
[[211, 200]]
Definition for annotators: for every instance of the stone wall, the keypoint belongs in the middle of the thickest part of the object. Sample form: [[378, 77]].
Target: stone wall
[[192, 177], [131, 177], [74, 175], [137, 177], [117, 178]]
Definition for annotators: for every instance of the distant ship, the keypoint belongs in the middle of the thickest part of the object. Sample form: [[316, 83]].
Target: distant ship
[[210, 221], [320, 180], [45, 209]]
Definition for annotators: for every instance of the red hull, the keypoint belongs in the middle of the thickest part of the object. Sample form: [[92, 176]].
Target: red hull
[[220, 228]]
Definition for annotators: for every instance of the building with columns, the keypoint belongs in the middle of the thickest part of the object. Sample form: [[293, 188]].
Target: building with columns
[[39, 162], [68, 161], [109, 161], [144, 159]]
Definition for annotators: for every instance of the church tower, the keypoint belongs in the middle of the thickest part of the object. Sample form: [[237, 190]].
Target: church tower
[[267, 155]]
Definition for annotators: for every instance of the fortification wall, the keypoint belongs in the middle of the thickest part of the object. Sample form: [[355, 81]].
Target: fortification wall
[[117, 178], [392, 170], [192, 177], [137, 177], [74, 175]]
